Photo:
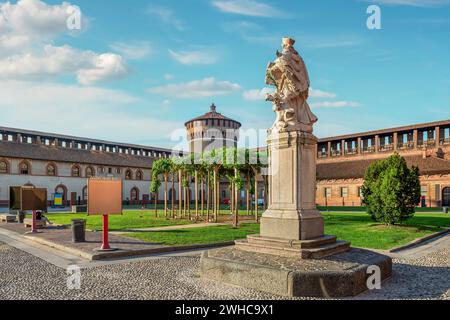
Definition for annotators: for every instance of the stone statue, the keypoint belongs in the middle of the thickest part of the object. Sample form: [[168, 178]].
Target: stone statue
[[292, 247], [290, 77]]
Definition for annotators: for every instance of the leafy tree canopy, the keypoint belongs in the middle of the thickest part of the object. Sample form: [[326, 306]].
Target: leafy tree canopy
[[391, 190]]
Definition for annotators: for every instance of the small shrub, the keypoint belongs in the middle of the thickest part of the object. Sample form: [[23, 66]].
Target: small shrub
[[391, 190]]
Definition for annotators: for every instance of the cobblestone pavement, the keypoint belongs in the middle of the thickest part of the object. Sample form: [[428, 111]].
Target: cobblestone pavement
[[427, 277], [23, 276]]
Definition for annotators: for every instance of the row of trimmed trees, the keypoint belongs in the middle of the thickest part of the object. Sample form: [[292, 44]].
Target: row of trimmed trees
[[240, 167]]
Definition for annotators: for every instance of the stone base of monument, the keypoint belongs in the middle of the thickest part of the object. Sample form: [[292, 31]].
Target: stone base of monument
[[305, 249], [342, 274]]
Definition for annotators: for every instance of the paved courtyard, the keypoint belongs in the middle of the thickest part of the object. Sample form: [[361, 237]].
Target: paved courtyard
[[24, 276]]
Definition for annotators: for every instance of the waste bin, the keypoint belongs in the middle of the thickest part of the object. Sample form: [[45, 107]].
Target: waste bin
[[445, 209], [20, 216], [78, 230]]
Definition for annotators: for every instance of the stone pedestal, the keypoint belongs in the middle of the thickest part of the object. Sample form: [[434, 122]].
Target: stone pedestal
[[292, 212], [292, 256], [292, 225]]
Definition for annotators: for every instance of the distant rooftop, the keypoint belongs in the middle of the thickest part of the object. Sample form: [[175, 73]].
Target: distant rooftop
[[387, 131], [80, 139], [212, 114]]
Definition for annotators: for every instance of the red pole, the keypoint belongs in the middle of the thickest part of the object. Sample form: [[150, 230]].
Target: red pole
[[105, 244], [33, 224]]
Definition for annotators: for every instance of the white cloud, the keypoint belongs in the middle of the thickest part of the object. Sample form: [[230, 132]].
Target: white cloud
[[88, 66], [32, 21], [166, 15], [27, 30], [315, 93], [194, 57], [257, 94], [12, 43], [334, 104], [134, 50], [83, 111], [207, 87], [34, 17], [414, 3], [14, 92], [105, 67], [169, 76], [247, 8]]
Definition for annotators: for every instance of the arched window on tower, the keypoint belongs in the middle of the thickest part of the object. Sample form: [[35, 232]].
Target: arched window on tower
[[139, 175]]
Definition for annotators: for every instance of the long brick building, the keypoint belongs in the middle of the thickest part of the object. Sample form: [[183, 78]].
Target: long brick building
[[63, 163], [342, 161]]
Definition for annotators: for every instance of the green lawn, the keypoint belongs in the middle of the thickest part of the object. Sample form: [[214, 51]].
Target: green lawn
[[355, 227], [131, 219], [198, 235], [363, 232]]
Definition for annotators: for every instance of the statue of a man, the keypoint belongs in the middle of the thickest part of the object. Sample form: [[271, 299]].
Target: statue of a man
[[290, 77]]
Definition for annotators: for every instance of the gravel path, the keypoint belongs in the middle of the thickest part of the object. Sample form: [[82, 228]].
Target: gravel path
[[23, 276]]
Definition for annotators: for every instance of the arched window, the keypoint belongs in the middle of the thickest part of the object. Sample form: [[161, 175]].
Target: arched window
[[85, 193], [90, 172], [139, 175], [62, 189], [134, 194], [128, 175], [76, 172], [51, 170], [24, 168], [4, 168]]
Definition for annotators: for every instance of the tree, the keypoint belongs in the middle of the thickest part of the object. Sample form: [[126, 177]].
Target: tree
[[391, 190], [177, 166], [154, 187], [164, 166]]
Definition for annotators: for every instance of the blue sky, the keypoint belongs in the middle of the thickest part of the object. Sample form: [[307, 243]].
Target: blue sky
[[137, 70]]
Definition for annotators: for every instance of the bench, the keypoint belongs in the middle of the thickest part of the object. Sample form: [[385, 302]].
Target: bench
[[40, 224], [8, 218]]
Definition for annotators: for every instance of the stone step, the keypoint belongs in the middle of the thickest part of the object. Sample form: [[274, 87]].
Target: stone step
[[282, 243], [326, 250], [289, 251]]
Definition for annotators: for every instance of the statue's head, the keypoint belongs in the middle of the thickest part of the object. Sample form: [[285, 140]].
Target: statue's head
[[287, 43]]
